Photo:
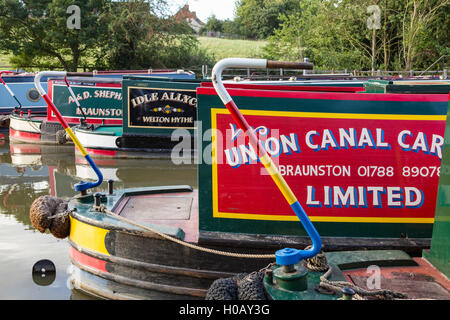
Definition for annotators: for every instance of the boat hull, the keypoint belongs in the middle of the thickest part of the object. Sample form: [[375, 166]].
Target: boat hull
[[111, 262], [110, 142], [114, 259], [25, 129], [34, 129]]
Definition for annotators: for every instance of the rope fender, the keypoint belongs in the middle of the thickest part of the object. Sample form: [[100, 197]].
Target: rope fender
[[61, 136], [47, 212]]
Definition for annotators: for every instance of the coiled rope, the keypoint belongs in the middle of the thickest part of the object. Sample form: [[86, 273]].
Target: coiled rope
[[319, 263], [337, 286], [102, 208]]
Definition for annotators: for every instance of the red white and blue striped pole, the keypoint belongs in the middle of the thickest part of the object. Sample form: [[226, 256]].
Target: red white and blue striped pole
[[286, 256], [81, 186]]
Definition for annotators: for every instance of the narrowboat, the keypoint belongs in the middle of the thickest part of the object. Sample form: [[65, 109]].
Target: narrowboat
[[93, 101], [434, 86], [362, 201], [21, 84], [161, 138], [81, 101], [157, 116], [17, 90]]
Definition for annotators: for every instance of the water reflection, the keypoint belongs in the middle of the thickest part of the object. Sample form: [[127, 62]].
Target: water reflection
[[28, 171]]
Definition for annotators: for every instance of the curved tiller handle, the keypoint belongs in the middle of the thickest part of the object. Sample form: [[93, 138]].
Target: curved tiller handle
[[81, 186], [7, 87], [285, 256]]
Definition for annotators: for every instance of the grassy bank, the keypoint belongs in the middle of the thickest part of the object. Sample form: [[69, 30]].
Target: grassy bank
[[4, 60], [227, 48]]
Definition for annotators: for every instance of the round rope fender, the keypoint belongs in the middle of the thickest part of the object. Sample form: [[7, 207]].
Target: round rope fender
[[242, 286], [61, 137], [47, 212]]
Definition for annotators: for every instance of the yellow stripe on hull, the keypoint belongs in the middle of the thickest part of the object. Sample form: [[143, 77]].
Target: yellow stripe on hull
[[88, 236]]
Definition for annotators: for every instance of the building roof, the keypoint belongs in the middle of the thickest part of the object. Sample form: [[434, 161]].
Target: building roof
[[184, 14]]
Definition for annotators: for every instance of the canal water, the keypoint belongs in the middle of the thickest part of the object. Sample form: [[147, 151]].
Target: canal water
[[29, 171]]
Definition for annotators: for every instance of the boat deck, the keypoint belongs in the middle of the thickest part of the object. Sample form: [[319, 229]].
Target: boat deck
[[418, 282], [178, 210]]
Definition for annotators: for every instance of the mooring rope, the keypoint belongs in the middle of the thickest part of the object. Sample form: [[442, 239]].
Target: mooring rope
[[319, 263], [102, 208], [338, 285]]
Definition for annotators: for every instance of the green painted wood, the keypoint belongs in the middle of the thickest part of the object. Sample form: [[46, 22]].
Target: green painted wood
[[185, 86], [365, 230], [339, 261], [362, 259], [439, 254], [414, 87], [97, 101]]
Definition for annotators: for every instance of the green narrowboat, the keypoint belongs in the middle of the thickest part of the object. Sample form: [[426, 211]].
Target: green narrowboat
[[157, 114], [353, 159]]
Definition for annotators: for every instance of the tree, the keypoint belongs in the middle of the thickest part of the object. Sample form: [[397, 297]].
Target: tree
[[418, 15], [212, 24], [140, 35], [230, 27], [286, 43], [324, 32], [336, 34], [36, 31], [259, 18]]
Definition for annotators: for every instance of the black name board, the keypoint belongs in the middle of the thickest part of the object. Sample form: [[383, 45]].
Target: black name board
[[163, 108]]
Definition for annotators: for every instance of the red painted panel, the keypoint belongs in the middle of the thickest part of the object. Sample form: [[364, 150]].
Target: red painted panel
[[389, 169], [88, 260], [328, 95], [102, 152], [32, 137]]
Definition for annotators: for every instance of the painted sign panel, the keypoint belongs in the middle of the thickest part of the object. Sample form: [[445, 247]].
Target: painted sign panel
[[361, 165], [342, 167], [101, 102], [161, 108]]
